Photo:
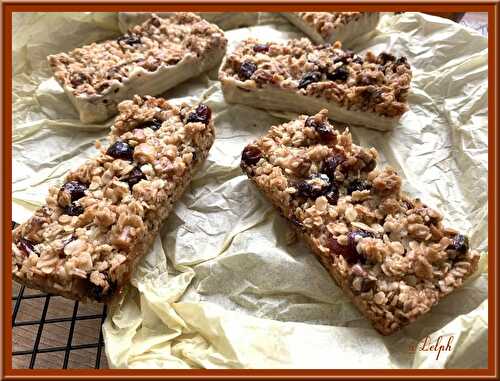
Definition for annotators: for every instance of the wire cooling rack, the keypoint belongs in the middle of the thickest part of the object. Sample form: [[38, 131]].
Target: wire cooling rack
[[45, 341], [53, 332]]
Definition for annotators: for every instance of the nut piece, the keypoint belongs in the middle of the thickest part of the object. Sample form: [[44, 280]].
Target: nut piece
[[379, 298], [144, 153], [75, 247]]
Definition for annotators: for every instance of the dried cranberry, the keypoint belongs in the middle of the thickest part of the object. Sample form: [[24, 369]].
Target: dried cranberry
[[202, 114], [368, 284], [331, 164], [304, 189], [308, 78], [25, 245], [155, 21], [407, 204], [350, 255], [313, 187], [358, 185], [75, 188], [332, 195], [338, 58], [377, 96], [154, 124], [354, 237], [344, 57], [95, 292], [251, 155], [324, 130], [247, 68], [78, 79], [357, 59], [349, 251], [129, 39], [120, 150], [261, 48], [339, 74], [460, 243], [384, 57], [73, 209], [134, 176], [402, 61]]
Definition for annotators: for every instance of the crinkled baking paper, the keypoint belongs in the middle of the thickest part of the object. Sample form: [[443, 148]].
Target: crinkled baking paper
[[225, 285]]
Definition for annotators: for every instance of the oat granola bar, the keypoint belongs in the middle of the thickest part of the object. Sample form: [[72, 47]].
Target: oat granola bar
[[305, 78], [224, 20], [390, 253], [150, 59], [328, 27], [84, 243]]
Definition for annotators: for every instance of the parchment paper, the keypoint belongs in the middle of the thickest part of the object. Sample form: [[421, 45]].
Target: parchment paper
[[226, 285]]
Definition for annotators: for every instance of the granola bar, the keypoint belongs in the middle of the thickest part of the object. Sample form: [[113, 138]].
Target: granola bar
[[328, 27], [389, 252], [224, 20], [150, 59], [84, 243], [305, 78]]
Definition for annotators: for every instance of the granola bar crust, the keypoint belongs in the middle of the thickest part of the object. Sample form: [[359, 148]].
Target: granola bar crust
[[390, 253], [148, 60], [84, 243], [324, 27], [92, 69], [375, 85]]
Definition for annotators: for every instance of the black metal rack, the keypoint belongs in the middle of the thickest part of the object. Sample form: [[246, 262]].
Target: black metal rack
[[43, 322]]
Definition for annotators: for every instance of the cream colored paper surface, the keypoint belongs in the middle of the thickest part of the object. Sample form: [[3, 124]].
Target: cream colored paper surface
[[225, 285]]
